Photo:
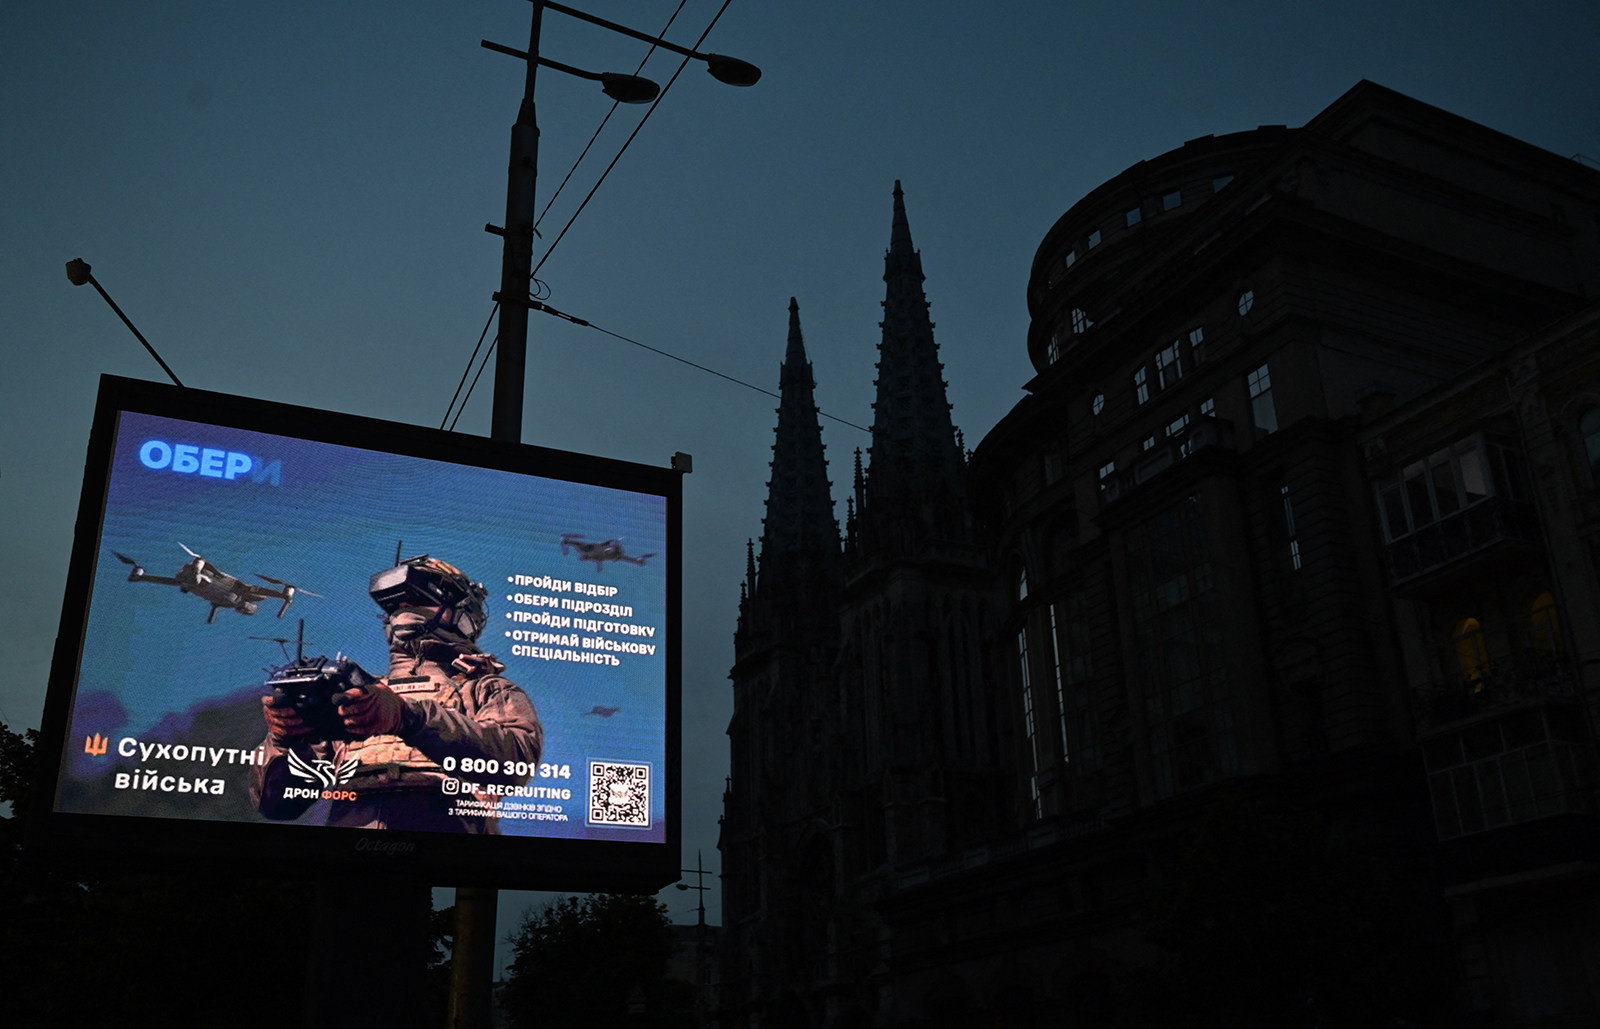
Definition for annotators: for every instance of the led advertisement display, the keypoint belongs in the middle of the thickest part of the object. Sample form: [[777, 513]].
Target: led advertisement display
[[290, 634]]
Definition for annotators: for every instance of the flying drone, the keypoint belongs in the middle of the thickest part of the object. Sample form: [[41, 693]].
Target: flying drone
[[217, 588], [600, 553]]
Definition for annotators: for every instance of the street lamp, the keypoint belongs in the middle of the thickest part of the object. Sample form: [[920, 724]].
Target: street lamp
[[626, 89], [510, 366], [725, 69], [79, 275], [474, 940], [701, 979]]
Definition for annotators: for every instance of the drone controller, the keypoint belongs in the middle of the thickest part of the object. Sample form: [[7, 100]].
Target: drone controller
[[311, 685]]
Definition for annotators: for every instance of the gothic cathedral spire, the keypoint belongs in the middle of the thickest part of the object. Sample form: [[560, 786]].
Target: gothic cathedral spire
[[914, 484], [798, 576]]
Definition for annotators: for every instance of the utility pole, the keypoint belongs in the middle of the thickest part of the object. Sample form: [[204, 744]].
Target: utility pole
[[472, 958], [472, 954], [516, 264], [701, 978]]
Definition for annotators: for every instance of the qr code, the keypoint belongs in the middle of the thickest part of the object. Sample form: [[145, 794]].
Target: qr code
[[619, 794]]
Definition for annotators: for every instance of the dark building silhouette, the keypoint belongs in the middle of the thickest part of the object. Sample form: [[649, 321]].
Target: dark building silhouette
[[1248, 671]]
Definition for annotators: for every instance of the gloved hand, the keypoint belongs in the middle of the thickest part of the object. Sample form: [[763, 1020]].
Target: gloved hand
[[284, 724], [373, 710]]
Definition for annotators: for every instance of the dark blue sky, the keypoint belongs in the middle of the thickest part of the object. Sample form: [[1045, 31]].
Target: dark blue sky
[[289, 201]]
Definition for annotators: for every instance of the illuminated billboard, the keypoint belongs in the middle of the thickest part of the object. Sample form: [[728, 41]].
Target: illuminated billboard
[[298, 635]]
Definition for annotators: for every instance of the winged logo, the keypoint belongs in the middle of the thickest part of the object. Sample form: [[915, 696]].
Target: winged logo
[[321, 771]]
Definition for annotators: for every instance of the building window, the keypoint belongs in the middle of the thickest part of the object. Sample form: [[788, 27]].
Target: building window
[[1052, 468], [1094, 239], [1080, 750], [1107, 472], [1197, 345], [1022, 584], [1445, 483], [1027, 723], [1219, 183], [1169, 365], [1067, 749], [1262, 410], [1189, 716], [1059, 342], [1545, 628], [1080, 321], [1589, 429], [1208, 407], [1471, 651], [1072, 257], [1148, 443], [1288, 528], [1132, 217], [1141, 385], [1247, 300], [1098, 404], [1171, 200], [1522, 766]]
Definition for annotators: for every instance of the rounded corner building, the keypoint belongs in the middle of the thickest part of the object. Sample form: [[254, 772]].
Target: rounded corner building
[[1294, 646]]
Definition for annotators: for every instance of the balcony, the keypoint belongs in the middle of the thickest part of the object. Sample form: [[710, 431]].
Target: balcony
[[1488, 524], [1506, 748], [1205, 434], [1543, 780], [1531, 676]]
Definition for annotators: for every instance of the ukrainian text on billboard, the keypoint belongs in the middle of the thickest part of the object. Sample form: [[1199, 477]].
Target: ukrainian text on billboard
[[301, 633]]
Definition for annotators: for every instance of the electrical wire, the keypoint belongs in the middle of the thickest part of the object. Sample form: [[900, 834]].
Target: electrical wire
[[535, 305], [603, 121], [482, 365], [657, 103], [683, 360], [464, 372], [540, 289]]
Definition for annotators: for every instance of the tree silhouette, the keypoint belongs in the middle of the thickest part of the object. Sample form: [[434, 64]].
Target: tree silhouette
[[596, 961], [196, 946]]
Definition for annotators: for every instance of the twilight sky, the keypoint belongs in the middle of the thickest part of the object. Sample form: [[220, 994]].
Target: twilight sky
[[289, 201]]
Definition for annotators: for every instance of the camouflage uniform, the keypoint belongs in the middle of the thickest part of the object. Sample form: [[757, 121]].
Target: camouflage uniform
[[463, 709]]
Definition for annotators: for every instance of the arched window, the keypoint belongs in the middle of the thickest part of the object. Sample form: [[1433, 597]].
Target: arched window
[[1472, 651], [1589, 429], [1545, 624]]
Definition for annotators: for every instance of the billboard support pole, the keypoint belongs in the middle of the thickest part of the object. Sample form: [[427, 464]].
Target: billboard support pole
[[472, 957], [472, 953]]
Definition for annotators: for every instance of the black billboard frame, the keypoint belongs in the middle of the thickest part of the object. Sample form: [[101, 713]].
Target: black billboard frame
[[95, 843]]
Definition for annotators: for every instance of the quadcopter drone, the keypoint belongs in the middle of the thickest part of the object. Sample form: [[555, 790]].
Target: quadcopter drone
[[599, 553], [217, 588]]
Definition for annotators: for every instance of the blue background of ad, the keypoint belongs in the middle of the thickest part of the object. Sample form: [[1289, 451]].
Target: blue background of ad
[[150, 660]]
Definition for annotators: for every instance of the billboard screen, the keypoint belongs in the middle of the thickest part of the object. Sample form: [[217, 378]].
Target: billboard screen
[[302, 635]]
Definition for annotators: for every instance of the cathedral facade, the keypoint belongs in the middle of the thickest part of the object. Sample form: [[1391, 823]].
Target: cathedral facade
[[863, 739], [1248, 671]]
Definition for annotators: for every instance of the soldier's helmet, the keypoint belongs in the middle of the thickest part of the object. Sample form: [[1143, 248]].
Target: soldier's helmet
[[435, 583]]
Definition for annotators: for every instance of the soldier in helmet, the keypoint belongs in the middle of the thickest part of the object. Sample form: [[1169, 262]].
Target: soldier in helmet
[[444, 702]]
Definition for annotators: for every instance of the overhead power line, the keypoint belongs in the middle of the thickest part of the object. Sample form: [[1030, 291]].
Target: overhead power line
[[535, 305], [603, 121], [468, 370], [683, 360], [625, 143]]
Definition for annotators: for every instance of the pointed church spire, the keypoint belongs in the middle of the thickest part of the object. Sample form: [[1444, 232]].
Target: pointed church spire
[[799, 505], [915, 474], [900, 228], [799, 568]]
